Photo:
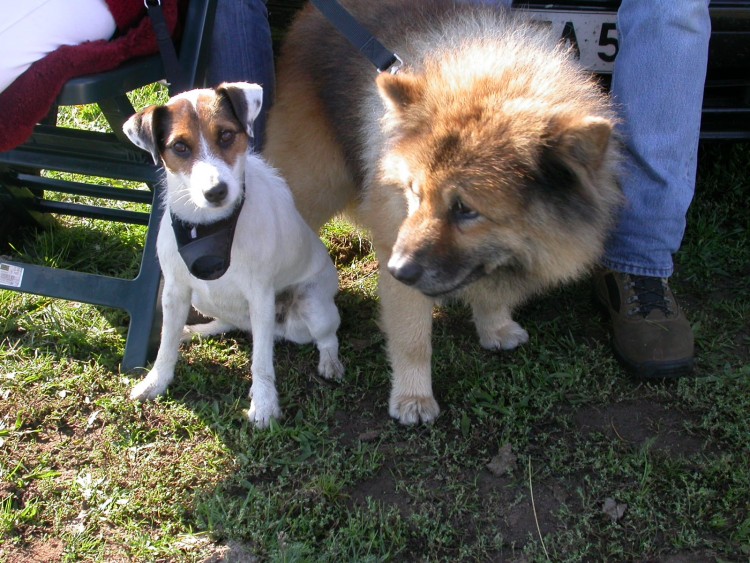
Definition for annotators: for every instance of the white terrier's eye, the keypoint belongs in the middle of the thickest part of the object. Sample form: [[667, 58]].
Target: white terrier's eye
[[226, 138], [180, 148]]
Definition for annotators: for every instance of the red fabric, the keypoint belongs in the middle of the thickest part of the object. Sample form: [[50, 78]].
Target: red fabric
[[28, 99], [126, 12]]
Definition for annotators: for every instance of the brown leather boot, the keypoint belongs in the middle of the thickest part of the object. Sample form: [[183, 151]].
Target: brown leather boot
[[651, 335]]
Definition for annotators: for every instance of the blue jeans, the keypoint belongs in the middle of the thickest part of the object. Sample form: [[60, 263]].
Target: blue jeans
[[241, 50], [657, 83]]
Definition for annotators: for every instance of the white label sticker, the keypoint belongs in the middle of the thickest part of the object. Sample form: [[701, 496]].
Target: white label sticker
[[10, 275]]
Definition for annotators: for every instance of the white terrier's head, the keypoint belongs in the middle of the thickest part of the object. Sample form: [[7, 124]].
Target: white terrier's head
[[201, 137]]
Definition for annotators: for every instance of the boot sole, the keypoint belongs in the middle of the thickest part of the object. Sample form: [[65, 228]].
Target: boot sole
[[656, 370]]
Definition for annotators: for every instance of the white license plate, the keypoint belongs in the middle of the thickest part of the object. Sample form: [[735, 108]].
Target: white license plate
[[593, 35]]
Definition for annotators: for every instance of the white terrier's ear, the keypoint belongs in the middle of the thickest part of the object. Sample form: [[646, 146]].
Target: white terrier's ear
[[246, 100], [140, 129]]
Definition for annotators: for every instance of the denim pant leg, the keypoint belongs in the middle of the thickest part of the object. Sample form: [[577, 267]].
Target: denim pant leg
[[658, 85], [241, 50]]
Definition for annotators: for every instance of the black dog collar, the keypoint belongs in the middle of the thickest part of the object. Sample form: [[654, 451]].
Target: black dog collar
[[206, 249]]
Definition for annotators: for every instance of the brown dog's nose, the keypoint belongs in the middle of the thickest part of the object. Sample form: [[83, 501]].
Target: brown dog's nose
[[216, 194], [405, 271]]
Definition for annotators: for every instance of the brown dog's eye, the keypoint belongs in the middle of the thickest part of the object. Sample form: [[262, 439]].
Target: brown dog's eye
[[226, 138], [460, 212]]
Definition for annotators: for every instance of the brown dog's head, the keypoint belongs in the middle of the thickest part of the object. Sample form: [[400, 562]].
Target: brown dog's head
[[498, 177]]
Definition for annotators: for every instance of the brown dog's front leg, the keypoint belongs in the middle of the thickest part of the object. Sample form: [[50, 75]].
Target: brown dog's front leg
[[407, 322]]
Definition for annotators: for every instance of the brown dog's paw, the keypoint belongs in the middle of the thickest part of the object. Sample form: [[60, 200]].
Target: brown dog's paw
[[414, 409], [507, 336]]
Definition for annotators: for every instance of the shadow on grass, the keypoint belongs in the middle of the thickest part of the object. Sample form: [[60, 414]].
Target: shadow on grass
[[546, 449]]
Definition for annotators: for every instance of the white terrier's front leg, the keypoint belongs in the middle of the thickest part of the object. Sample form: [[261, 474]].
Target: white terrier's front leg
[[175, 307], [264, 404]]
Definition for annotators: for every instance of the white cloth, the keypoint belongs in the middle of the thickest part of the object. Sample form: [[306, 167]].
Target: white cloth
[[31, 29]]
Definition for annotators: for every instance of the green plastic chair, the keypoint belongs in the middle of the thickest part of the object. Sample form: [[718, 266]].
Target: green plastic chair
[[104, 155]]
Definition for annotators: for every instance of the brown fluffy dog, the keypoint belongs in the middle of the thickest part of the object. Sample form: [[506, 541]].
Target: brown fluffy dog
[[484, 169]]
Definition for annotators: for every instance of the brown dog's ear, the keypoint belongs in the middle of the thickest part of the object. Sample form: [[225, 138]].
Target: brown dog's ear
[[141, 130], [399, 91], [586, 140], [246, 100], [572, 155]]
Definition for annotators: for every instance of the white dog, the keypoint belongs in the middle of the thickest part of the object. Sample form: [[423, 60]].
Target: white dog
[[232, 243]]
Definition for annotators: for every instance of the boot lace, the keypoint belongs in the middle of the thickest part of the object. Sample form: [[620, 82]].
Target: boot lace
[[648, 294]]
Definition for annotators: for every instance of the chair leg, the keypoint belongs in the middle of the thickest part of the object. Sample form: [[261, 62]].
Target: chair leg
[[145, 316], [137, 296]]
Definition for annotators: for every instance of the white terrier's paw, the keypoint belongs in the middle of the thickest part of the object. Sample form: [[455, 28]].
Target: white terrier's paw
[[264, 405], [410, 409], [260, 414], [507, 336], [330, 367], [153, 385]]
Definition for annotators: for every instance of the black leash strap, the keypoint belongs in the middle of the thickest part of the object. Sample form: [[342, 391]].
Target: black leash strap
[[363, 40], [175, 76]]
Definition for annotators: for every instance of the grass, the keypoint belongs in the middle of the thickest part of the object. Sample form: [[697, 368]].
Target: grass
[[529, 449]]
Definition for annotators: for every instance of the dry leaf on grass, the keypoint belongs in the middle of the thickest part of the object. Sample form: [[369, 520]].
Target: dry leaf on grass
[[614, 510], [503, 462]]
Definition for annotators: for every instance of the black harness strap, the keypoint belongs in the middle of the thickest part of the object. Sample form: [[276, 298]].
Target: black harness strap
[[175, 76], [206, 249], [363, 40]]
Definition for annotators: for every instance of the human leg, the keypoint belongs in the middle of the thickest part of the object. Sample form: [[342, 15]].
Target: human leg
[[241, 50], [658, 85]]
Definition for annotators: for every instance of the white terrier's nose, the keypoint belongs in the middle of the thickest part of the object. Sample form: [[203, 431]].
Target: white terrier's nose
[[216, 193]]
